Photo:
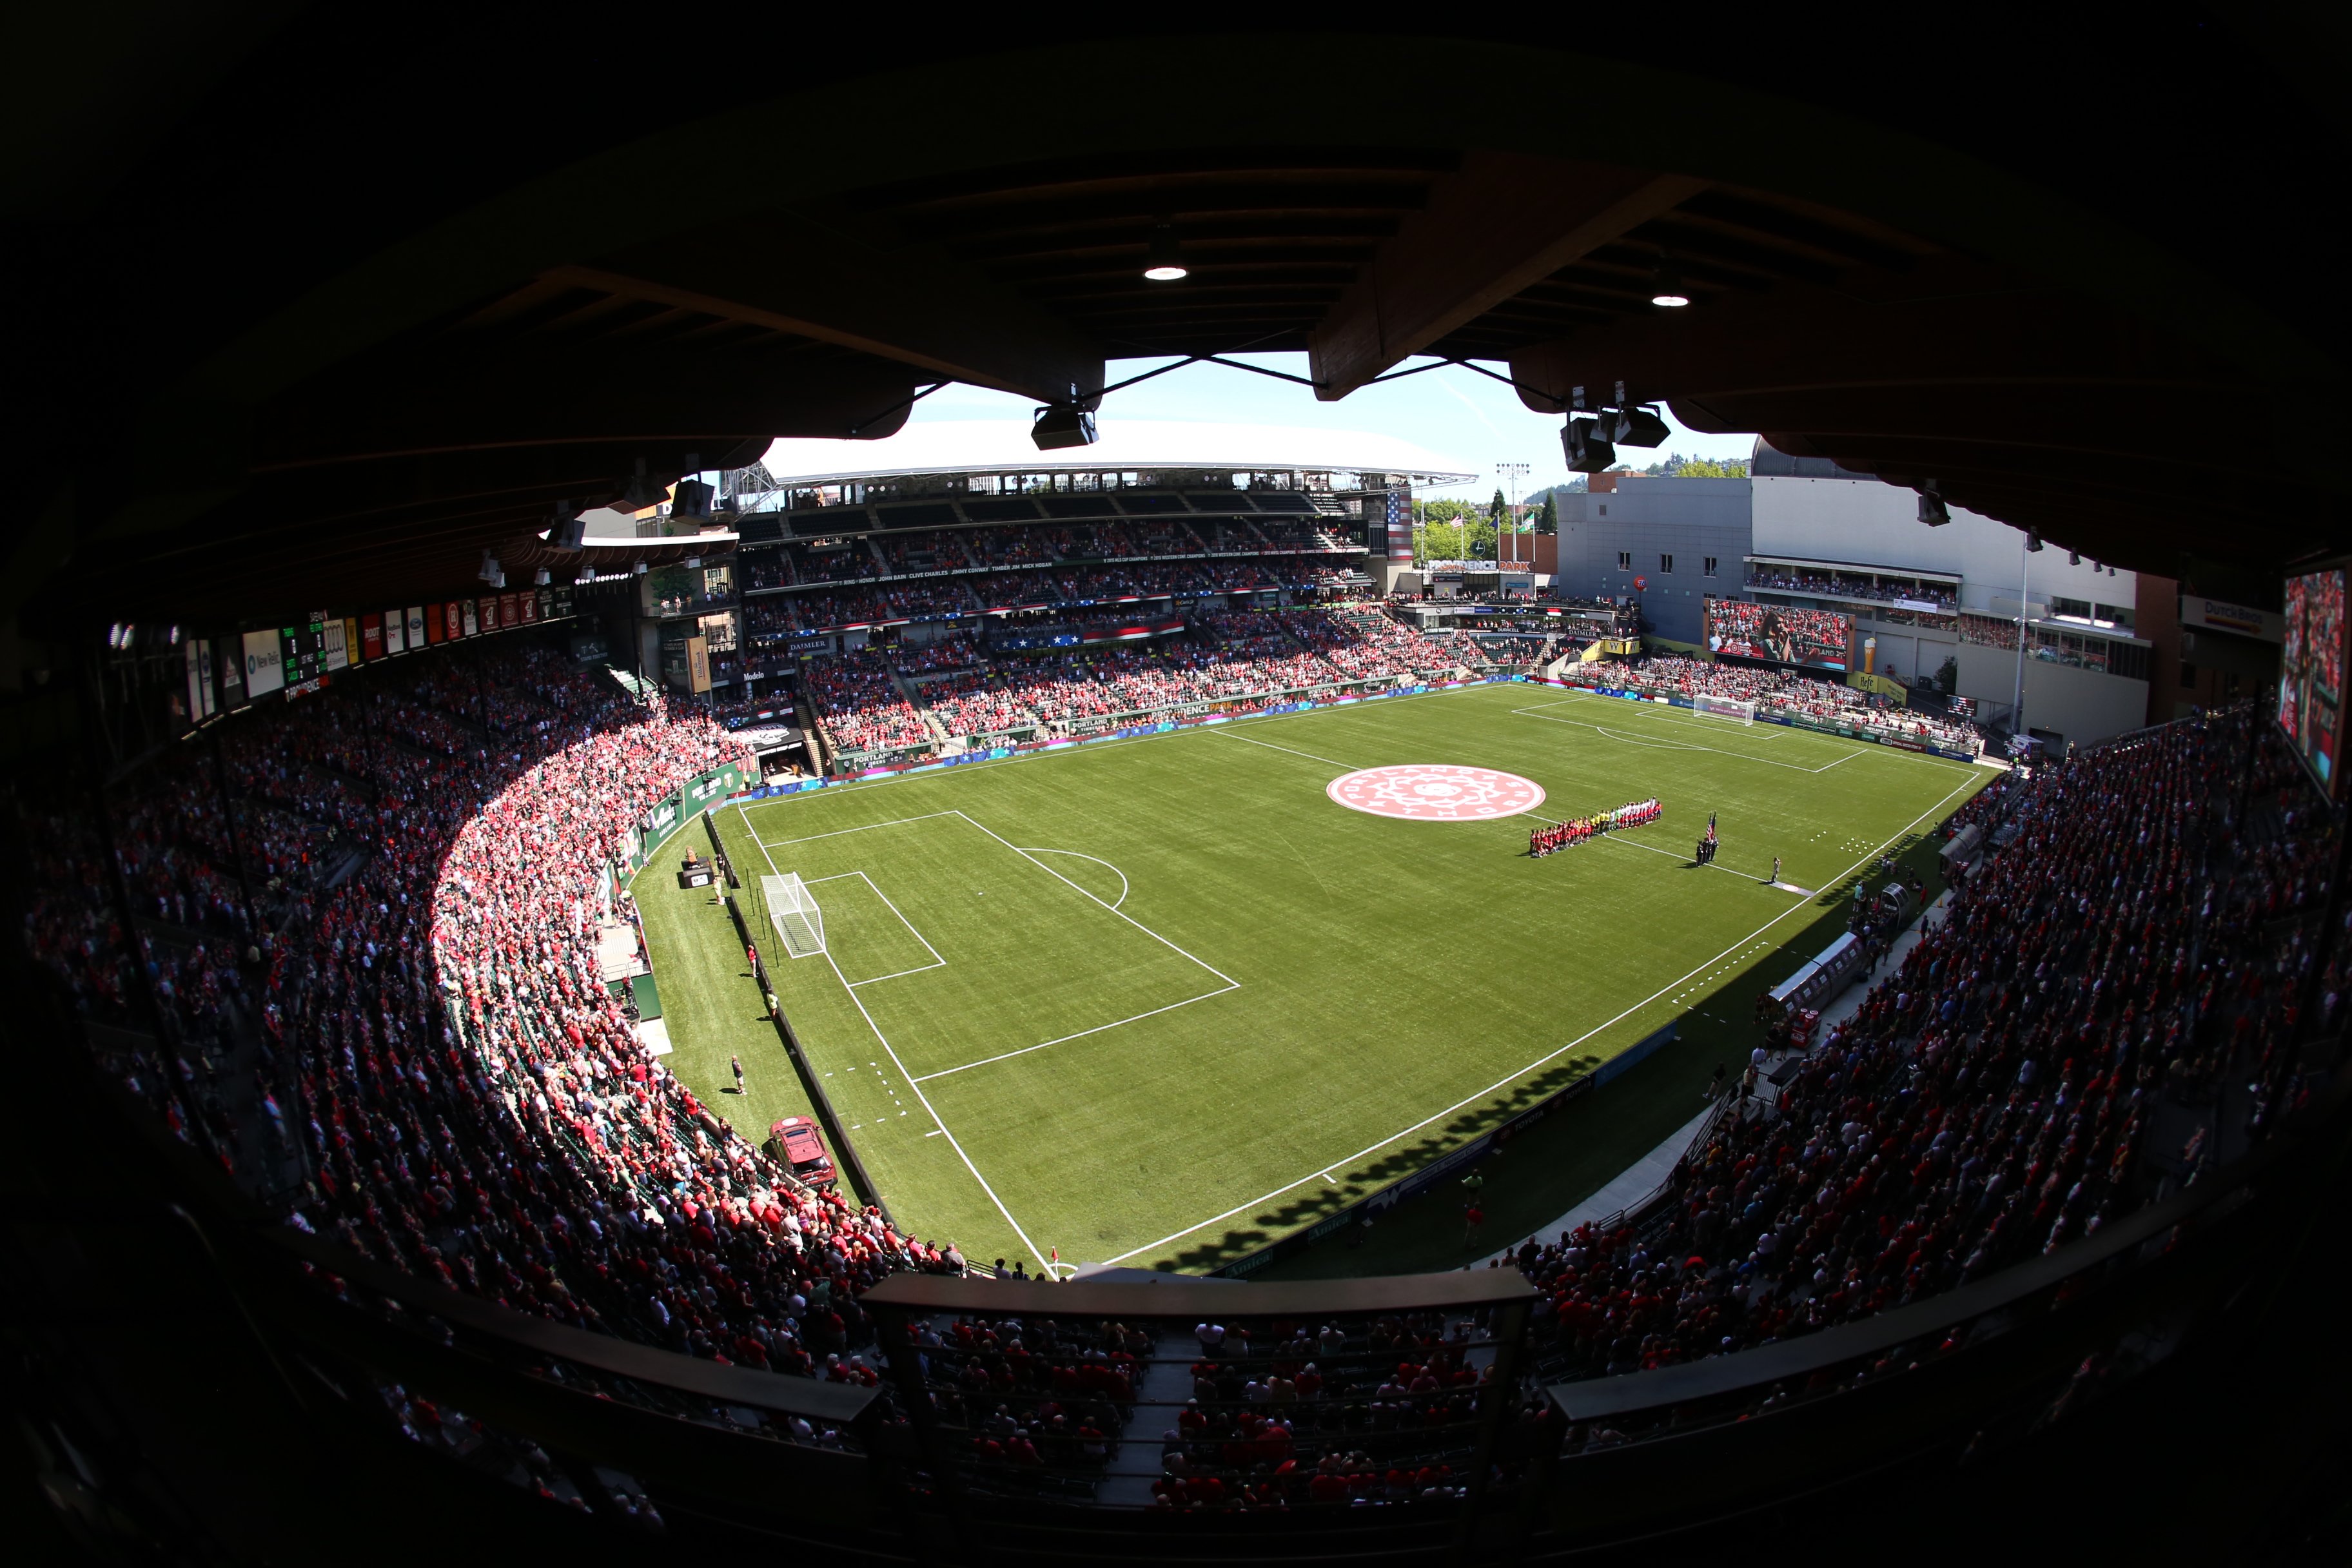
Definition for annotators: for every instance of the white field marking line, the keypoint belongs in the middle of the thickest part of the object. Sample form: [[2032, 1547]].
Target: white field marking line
[[934, 1115], [1682, 718], [1669, 745], [1098, 860], [1270, 746], [1671, 855], [836, 791], [936, 961], [1313, 758], [1502, 1083], [785, 843], [1770, 732], [1082, 1033], [1131, 919], [1230, 982]]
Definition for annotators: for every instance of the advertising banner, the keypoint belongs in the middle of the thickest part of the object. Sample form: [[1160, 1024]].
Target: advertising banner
[[697, 663], [509, 609], [530, 602], [371, 636], [415, 622], [469, 619], [337, 648], [263, 667]]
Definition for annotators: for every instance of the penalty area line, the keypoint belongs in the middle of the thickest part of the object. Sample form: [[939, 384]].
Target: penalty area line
[[1503, 1083]]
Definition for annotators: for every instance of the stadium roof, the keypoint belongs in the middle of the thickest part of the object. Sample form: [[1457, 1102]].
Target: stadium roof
[[410, 302], [1003, 447]]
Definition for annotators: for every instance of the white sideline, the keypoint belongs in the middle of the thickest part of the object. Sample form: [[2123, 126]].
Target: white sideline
[[1503, 1083], [953, 1142]]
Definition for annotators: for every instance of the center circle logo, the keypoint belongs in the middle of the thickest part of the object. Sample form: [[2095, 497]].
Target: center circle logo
[[1436, 792]]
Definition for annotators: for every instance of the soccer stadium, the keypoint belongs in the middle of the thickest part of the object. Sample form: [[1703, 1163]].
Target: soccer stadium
[[629, 944]]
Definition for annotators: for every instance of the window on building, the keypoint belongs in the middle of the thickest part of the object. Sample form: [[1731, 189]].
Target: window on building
[[1624, 560], [2079, 609], [2120, 615], [1706, 568], [1604, 509], [1666, 563], [2187, 675]]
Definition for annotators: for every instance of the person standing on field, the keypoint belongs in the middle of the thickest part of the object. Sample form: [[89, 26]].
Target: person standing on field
[[737, 1063], [1776, 869]]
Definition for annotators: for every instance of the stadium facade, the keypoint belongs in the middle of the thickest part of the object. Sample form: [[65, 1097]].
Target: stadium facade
[[2110, 650]]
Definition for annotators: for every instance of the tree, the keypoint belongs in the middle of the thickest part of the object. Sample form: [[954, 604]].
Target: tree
[[1548, 521], [1677, 467]]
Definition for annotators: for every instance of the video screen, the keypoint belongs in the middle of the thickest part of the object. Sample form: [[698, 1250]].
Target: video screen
[[1816, 638], [2311, 677]]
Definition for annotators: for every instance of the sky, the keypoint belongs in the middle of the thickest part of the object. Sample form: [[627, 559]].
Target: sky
[[1471, 419]]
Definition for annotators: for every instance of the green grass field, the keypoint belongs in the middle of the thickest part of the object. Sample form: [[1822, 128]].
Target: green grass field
[[1159, 1001]]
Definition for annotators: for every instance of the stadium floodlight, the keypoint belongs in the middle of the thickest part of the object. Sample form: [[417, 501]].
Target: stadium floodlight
[[2032, 540], [543, 578], [490, 572], [1708, 707], [1587, 453], [691, 499], [693, 562], [1062, 424], [1932, 509], [1635, 428], [638, 570], [1162, 262], [793, 910]]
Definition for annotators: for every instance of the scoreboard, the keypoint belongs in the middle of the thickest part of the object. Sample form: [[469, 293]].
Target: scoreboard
[[303, 648]]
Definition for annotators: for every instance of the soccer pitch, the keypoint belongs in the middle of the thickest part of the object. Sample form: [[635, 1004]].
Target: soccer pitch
[[1158, 1001]]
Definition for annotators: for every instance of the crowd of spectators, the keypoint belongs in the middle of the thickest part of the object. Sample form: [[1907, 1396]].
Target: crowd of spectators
[[1844, 586], [469, 1102], [1997, 1095], [1789, 694], [860, 705]]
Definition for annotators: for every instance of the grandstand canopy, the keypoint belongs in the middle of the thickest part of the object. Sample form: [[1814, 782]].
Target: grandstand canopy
[[980, 446], [309, 297]]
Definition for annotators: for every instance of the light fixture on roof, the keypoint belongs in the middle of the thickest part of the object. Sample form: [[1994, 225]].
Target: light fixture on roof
[[692, 496], [491, 572], [1588, 452], [1062, 424], [693, 562], [638, 570], [1932, 509], [1162, 262], [543, 578], [2032, 540], [1629, 427], [1666, 286], [643, 491], [567, 527], [2075, 558]]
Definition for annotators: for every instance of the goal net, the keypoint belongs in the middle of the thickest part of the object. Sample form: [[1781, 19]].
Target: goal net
[[793, 910], [1725, 707]]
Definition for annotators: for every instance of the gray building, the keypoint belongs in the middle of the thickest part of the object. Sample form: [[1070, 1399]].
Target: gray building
[[1682, 539]]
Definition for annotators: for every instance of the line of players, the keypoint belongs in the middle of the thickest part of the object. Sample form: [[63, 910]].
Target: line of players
[[1543, 841]]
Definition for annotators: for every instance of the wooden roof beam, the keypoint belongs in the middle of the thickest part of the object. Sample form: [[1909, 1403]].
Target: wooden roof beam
[[1504, 221]]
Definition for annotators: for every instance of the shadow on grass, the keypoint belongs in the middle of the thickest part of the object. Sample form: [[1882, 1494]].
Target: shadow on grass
[[1562, 1159]]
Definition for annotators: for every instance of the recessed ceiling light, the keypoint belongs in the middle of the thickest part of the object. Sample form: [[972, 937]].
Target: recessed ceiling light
[[1666, 288], [1162, 263]]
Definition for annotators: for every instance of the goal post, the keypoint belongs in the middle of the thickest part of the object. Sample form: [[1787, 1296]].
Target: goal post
[[1724, 708], [793, 909]]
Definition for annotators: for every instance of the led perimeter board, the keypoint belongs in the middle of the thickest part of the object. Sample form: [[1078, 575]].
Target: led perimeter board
[[2311, 674]]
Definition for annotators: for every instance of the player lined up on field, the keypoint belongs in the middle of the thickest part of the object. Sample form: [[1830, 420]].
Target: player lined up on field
[[1543, 841]]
